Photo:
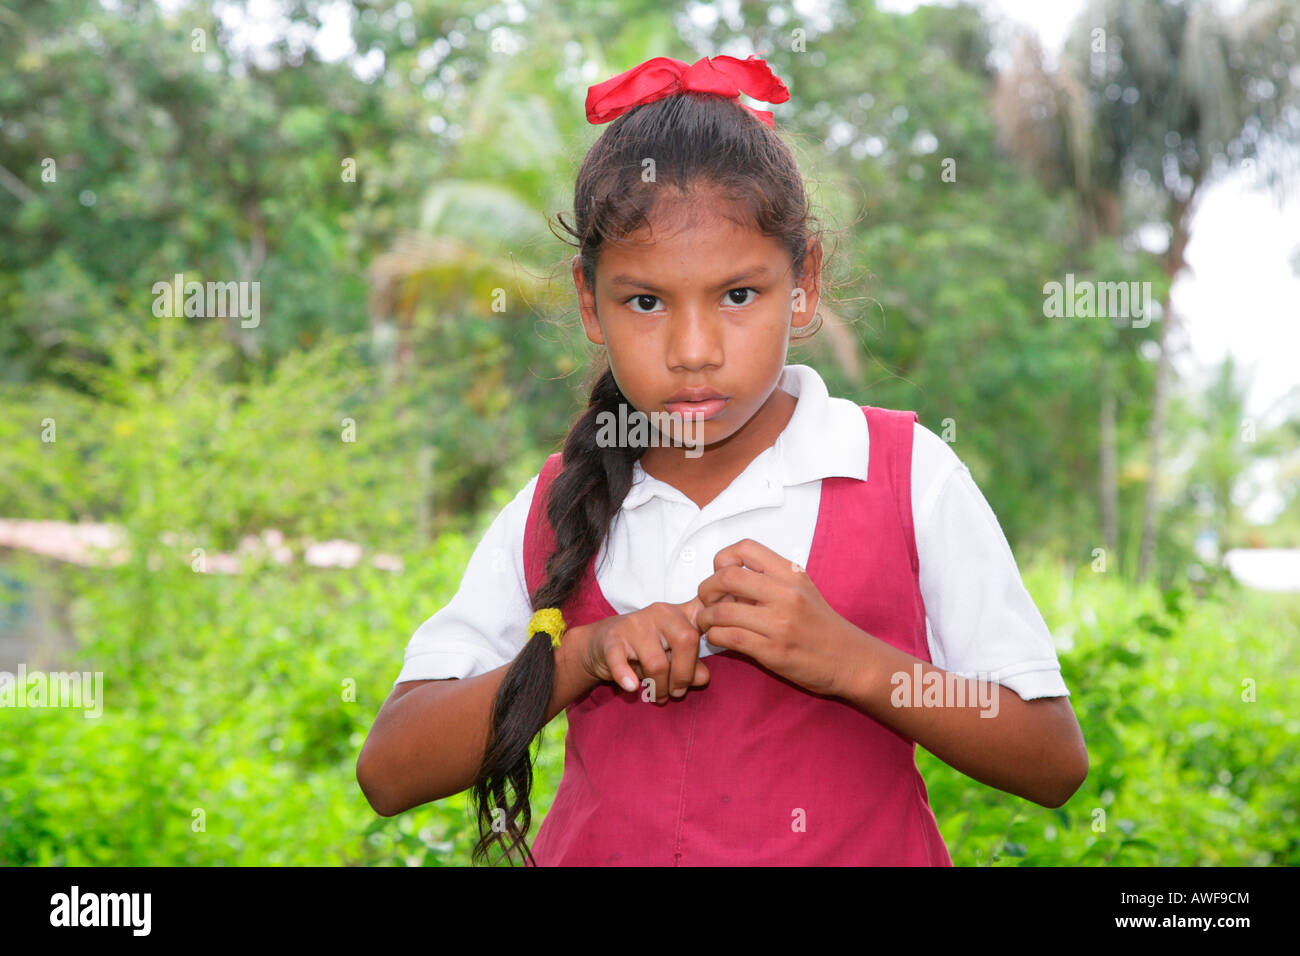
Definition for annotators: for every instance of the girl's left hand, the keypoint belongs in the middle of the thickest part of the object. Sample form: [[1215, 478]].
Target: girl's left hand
[[776, 616]]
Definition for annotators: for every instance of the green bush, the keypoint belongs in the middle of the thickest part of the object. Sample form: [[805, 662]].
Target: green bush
[[233, 701], [1184, 768], [235, 705]]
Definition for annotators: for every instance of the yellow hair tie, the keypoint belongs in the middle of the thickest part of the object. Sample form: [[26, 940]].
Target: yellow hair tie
[[550, 621]]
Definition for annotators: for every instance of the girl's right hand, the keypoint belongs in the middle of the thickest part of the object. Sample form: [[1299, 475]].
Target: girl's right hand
[[659, 642]]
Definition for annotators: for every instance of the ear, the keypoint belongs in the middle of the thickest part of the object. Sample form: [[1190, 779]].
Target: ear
[[587, 304], [811, 283]]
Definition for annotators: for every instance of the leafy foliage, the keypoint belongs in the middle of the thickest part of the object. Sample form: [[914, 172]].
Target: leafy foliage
[[1183, 705], [417, 359]]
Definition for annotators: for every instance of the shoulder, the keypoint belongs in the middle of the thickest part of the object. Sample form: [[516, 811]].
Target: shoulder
[[935, 466], [931, 454], [933, 459], [540, 482]]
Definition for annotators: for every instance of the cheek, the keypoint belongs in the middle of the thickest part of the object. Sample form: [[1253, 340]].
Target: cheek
[[630, 366], [769, 335], [780, 312]]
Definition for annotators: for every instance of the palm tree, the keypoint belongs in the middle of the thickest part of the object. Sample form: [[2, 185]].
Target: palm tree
[[1153, 101], [1043, 123], [452, 267]]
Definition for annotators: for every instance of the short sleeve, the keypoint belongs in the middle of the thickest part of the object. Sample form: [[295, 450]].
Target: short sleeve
[[981, 621], [484, 624]]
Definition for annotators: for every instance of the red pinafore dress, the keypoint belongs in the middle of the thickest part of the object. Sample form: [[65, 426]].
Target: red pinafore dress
[[753, 770]]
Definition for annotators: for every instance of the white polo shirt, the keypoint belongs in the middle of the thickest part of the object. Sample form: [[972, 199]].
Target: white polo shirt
[[980, 620]]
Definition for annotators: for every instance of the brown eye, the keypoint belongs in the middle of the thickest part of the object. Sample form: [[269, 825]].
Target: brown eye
[[642, 300], [732, 301]]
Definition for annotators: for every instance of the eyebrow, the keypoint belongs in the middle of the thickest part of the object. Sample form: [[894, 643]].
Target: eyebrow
[[756, 272]]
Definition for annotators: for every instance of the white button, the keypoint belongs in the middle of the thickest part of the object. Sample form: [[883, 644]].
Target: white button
[[688, 554], [770, 484]]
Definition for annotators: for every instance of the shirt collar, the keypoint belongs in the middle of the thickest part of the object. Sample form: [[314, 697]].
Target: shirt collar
[[825, 438]]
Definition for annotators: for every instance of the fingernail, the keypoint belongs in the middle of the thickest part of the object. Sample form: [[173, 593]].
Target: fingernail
[[680, 692], [629, 684]]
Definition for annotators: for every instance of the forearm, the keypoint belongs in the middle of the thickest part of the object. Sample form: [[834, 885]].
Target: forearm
[[1033, 749], [427, 742]]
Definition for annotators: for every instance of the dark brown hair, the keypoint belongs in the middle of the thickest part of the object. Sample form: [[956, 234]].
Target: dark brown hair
[[695, 140]]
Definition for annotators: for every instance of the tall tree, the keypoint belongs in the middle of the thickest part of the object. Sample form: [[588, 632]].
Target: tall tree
[[1179, 93], [1153, 101]]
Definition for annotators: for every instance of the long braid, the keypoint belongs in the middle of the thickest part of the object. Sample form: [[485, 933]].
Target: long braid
[[583, 500]]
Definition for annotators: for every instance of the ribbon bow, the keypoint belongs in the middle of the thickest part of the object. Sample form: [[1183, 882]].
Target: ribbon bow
[[663, 76]]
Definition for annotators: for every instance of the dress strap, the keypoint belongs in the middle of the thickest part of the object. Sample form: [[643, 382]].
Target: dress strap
[[889, 459]]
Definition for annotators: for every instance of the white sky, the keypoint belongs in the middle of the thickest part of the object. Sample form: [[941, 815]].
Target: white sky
[[1239, 294]]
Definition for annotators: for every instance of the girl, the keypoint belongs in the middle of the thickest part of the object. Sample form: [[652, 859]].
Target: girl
[[752, 620]]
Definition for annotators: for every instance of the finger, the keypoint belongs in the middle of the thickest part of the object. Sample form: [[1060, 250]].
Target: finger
[[691, 608], [620, 670], [728, 557], [684, 641], [738, 639], [741, 583], [733, 614], [758, 557], [701, 676], [655, 666]]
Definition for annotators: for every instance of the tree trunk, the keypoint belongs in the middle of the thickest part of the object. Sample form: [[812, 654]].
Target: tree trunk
[[1174, 261], [1109, 496], [1157, 430]]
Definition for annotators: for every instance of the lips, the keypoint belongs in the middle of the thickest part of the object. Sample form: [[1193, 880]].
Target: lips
[[699, 394], [698, 403]]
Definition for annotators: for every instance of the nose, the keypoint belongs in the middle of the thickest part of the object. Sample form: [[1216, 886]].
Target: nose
[[694, 338]]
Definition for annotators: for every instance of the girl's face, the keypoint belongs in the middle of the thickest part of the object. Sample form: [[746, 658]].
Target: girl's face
[[698, 301]]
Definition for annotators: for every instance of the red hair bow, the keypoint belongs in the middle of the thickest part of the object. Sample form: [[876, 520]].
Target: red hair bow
[[663, 76]]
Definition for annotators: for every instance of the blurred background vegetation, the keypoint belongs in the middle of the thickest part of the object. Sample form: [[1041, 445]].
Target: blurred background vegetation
[[418, 355]]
